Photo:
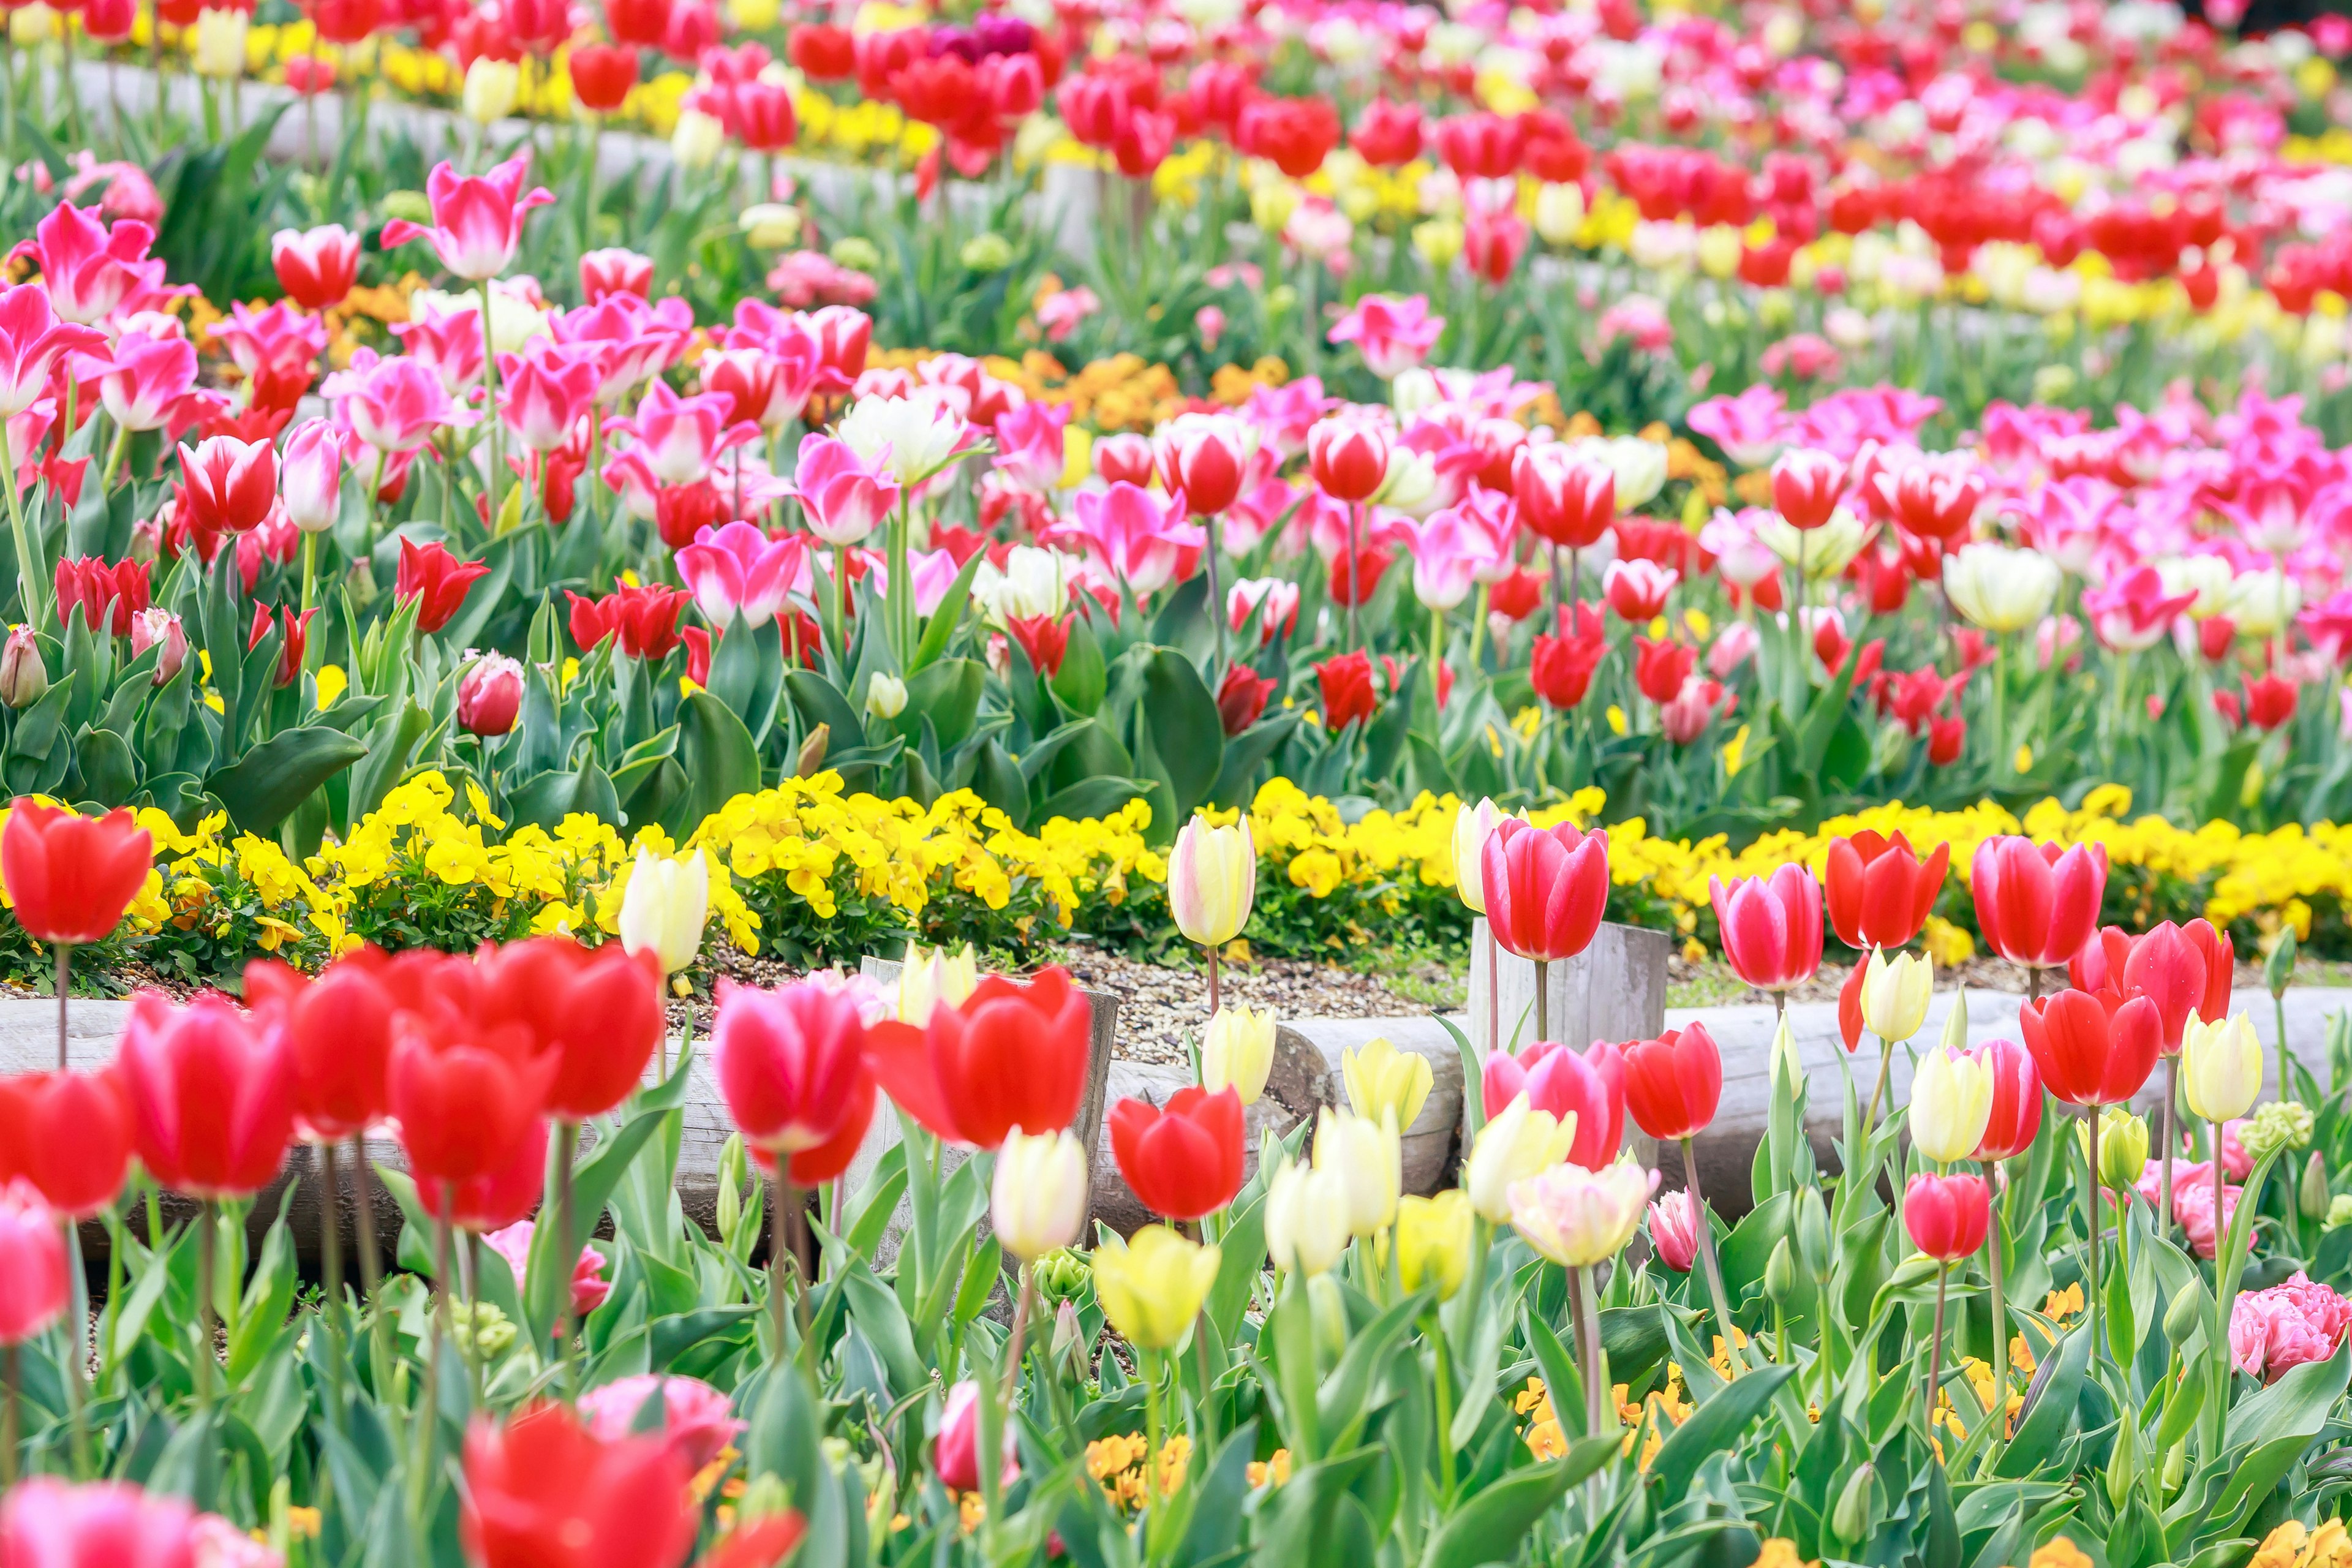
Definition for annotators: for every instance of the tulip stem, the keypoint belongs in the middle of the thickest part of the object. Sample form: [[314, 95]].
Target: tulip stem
[[381, 1355], [1355, 537], [2091, 1212], [1444, 1369], [1706, 1228], [1877, 1093], [1212, 980], [1998, 1414], [1589, 1349], [1494, 996], [1543, 999], [10, 1358], [1936, 1349], [65, 971], [207, 1227], [2222, 1292], [28, 566], [331, 1271], [309, 571], [78, 1374], [567, 1135], [490, 405], [787, 1234], [1023, 1305], [2171, 1093]]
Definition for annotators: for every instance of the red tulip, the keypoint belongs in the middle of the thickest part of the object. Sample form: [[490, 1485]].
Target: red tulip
[[1879, 890], [211, 1094], [2036, 906], [597, 1011], [498, 1197], [602, 76], [438, 580], [792, 1067], [1011, 1056], [2167, 968], [338, 1032], [66, 1133], [2220, 967], [1560, 1083], [2099, 963], [1183, 1160], [70, 877], [1349, 458], [1546, 888], [466, 1101], [1849, 1006], [544, 1492], [1672, 1083], [1567, 499], [2093, 1048], [1345, 683], [1772, 926], [32, 1276], [230, 484], [1948, 1216], [2016, 1099], [1806, 486]]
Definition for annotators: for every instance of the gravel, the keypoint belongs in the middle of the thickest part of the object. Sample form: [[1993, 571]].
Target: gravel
[[1161, 1009]]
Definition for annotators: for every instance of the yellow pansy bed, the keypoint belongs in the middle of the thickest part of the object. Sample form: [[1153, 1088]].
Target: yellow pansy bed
[[813, 873]]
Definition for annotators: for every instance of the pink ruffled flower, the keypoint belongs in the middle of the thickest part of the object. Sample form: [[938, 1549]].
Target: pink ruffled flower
[[738, 569], [93, 272], [393, 405], [589, 1286], [1393, 335], [2274, 1331], [696, 1421], [1133, 537], [843, 498]]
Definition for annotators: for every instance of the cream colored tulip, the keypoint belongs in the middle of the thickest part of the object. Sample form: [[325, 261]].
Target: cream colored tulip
[[886, 695], [1517, 1142], [2220, 1068], [1212, 880], [1471, 824], [666, 907], [1369, 1159], [1951, 1101], [492, 85], [2000, 588], [932, 977], [1237, 1052], [1385, 1081], [697, 139], [1037, 1200], [1578, 1217], [1895, 993], [1306, 1219]]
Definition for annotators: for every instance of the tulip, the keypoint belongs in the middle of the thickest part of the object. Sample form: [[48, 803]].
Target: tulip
[[476, 219], [33, 338], [1211, 882], [1806, 486], [1133, 537], [316, 266], [1471, 826], [844, 497], [463, 1106], [548, 389], [1578, 1217], [2015, 1115], [1348, 457], [151, 383], [502, 1195], [2167, 967], [544, 1478], [310, 476], [2122, 1157], [48, 1521], [2036, 906], [1545, 890], [665, 908], [1946, 1218], [1951, 1105], [437, 581], [1999, 588], [1895, 993], [886, 695], [698, 1422], [24, 678], [2221, 1068], [604, 273], [211, 1095], [738, 569], [589, 1287], [1383, 1081], [1152, 1285], [933, 977], [1637, 590], [338, 1030], [1008, 1056], [596, 1010], [1566, 497], [1433, 1241], [2093, 1048], [1370, 1158], [69, 878], [1237, 1052], [1672, 1083], [792, 1067], [1586, 1092], [1204, 458], [1674, 1230], [1306, 1219], [33, 1291], [1037, 1200], [489, 697], [1878, 891], [69, 1134], [1771, 927], [1182, 1159], [161, 629], [1518, 1141], [956, 1454]]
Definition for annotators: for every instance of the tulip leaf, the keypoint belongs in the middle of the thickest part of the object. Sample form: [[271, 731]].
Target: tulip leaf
[[1296, 1525], [108, 772], [1714, 1427], [720, 762], [820, 701], [2049, 1405], [547, 1275], [948, 694], [1187, 735], [1241, 1255], [941, 627], [876, 1310], [261, 788], [1340, 1407], [1080, 683], [1492, 1525], [1246, 753], [546, 799]]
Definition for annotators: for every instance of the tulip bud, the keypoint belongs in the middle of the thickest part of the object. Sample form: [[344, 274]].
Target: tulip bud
[[2175, 1467], [2312, 1196], [1787, 1069], [2278, 969], [489, 697], [1306, 1219], [1956, 1022], [934, 977], [2123, 1462], [1069, 1342], [697, 138], [2339, 1211], [1151, 1286], [886, 695], [2188, 1309], [491, 87], [1212, 880], [1895, 995], [1812, 1233], [1328, 1309], [1383, 1081], [770, 225], [1780, 1275], [159, 628], [811, 761], [1038, 1200], [2122, 1147], [2220, 1068], [24, 678], [1060, 1274], [146, 540], [666, 907], [310, 476], [1237, 1052], [1432, 1241], [1855, 1514], [1369, 1160]]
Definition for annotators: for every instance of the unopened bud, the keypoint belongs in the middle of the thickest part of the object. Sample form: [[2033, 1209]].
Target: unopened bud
[[811, 761], [1956, 1022], [1852, 1517], [2279, 967], [24, 678], [2312, 1198], [1780, 1275], [2123, 1462], [2187, 1310], [1812, 1232], [2176, 1465]]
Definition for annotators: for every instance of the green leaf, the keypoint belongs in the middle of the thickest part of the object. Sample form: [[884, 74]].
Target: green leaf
[[948, 694], [944, 620], [1492, 1525], [1090, 799], [2051, 1414], [547, 1274], [719, 758], [108, 772], [1080, 682], [261, 788], [1714, 1427], [1186, 732]]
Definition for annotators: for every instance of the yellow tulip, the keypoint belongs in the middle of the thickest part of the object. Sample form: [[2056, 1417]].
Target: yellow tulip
[[1517, 1142], [491, 90], [1384, 1081], [1895, 993], [1237, 1052], [1151, 1286], [2220, 1068], [1369, 1158], [1951, 1101], [1212, 879], [1432, 1241], [665, 908], [931, 977]]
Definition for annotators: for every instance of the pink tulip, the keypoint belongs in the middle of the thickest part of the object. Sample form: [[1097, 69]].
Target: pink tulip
[[697, 1419], [957, 1452], [589, 1286], [1750, 428], [1637, 590], [1546, 888], [476, 218], [92, 272], [1772, 926], [32, 1263], [276, 343], [2132, 612], [152, 380], [394, 405], [2273, 1330], [1448, 552], [1393, 335], [768, 385], [681, 437], [1806, 486], [1685, 716], [1029, 446], [1274, 600], [447, 342], [1674, 1230], [1562, 1083], [1133, 537], [100, 1524], [545, 392], [631, 339], [310, 476], [316, 266], [843, 498], [31, 337], [604, 273], [1348, 455], [1205, 458], [738, 569]]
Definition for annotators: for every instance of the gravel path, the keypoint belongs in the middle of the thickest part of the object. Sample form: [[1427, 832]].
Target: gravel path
[[1161, 1008]]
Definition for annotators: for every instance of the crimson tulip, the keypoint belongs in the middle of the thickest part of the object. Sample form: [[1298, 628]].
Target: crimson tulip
[[597, 1011], [66, 1133], [338, 1030], [438, 580], [466, 1101], [1567, 499], [792, 1067], [2220, 967], [2035, 905], [1672, 1083], [543, 1491], [1182, 1159], [2167, 968], [1009, 1055], [211, 1094], [1947, 1216], [70, 877], [1345, 683], [2093, 1048], [1546, 888], [1561, 1083], [230, 485], [1348, 456], [1880, 890], [500, 1196], [2016, 1099], [1772, 926]]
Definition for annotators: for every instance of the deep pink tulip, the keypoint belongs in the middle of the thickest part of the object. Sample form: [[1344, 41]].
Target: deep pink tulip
[[545, 392], [394, 405], [32, 1263], [91, 272], [150, 382], [604, 273], [1561, 1083], [1547, 888], [792, 1067], [476, 218], [843, 497], [1772, 926], [2035, 905], [737, 570], [31, 338], [211, 1093], [1948, 1216], [47, 1524], [1133, 536]]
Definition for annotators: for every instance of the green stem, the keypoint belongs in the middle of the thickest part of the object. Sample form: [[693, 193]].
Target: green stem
[[1706, 1228], [567, 1247], [1999, 1414], [28, 575], [114, 458], [1436, 658], [207, 1229], [2090, 1212], [490, 408], [1935, 1348], [78, 1336], [1444, 1409]]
